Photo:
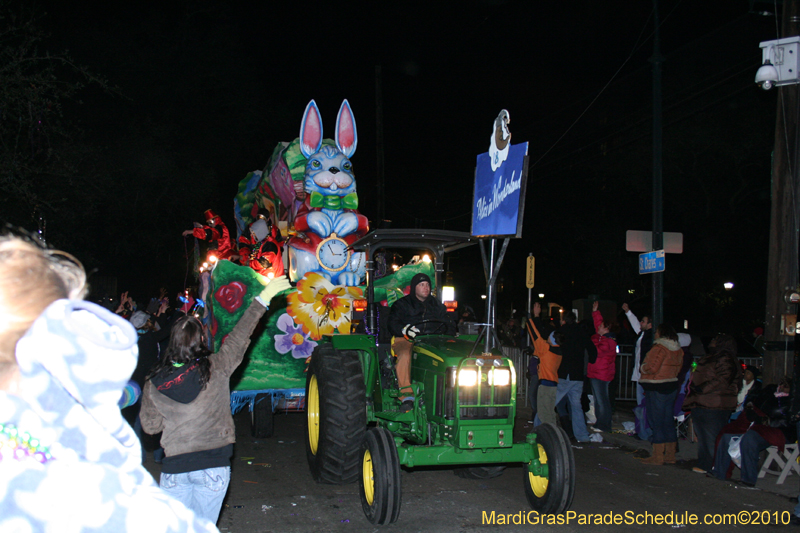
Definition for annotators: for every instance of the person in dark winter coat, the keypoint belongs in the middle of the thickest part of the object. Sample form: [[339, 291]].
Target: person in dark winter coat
[[713, 395], [571, 373], [576, 344], [765, 422], [601, 371], [419, 313], [150, 347]]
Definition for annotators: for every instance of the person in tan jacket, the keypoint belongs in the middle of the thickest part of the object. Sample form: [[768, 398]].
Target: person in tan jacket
[[659, 379], [187, 397]]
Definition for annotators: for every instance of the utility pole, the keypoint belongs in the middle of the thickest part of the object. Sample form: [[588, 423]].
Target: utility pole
[[379, 141], [658, 218], [782, 273]]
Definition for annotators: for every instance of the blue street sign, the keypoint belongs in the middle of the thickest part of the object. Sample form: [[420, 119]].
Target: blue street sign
[[651, 262]]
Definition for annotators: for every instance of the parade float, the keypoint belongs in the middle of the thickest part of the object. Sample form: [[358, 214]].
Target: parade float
[[308, 192]]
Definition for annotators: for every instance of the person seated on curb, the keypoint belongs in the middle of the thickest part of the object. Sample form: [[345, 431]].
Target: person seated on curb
[[419, 313], [765, 423], [751, 389]]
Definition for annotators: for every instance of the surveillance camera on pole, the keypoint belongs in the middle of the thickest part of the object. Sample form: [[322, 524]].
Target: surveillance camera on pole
[[781, 63]]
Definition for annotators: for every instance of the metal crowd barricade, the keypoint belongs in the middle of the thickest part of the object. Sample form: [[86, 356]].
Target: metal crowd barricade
[[626, 389], [517, 356]]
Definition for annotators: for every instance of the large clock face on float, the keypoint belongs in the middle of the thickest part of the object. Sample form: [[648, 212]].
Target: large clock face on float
[[332, 253]]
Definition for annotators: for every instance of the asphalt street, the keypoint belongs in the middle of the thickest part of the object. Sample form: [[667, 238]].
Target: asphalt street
[[272, 491]]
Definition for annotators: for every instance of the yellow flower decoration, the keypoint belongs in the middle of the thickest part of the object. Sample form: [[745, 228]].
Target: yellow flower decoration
[[321, 307]]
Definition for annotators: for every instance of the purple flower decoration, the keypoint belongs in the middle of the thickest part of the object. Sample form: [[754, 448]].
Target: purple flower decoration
[[293, 340]]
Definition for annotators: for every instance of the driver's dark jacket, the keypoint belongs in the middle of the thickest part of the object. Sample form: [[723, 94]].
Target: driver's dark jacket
[[409, 310]]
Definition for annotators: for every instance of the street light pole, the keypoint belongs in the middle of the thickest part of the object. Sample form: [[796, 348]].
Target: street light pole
[[658, 219]]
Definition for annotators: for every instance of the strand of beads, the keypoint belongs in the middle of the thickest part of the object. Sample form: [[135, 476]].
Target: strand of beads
[[20, 445]]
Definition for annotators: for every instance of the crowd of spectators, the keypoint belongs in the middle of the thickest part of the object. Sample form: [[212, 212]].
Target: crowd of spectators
[[735, 416]]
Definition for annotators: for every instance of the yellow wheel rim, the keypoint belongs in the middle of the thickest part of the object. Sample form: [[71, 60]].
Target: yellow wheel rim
[[539, 483], [312, 409], [367, 475]]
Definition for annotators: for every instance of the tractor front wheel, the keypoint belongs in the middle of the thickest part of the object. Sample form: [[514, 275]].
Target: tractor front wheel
[[551, 492], [379, 483]]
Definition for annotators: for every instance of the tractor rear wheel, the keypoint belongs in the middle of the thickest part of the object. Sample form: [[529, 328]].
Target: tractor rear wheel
[[551, 493], [336, 415]]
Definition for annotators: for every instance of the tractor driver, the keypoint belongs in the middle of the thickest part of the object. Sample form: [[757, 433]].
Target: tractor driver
[[419, 313]]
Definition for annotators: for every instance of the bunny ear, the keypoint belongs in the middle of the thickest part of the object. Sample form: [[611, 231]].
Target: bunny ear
[[346, 136], [311, 130]]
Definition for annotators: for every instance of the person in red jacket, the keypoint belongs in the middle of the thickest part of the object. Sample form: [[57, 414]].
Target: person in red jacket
[[601, 371], [216, 233]]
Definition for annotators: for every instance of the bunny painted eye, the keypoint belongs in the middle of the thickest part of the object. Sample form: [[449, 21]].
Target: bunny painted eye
[[316, 164], [347, 166]]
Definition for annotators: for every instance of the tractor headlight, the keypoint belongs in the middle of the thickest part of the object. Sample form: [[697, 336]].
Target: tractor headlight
[[499, 377], [467, 378]]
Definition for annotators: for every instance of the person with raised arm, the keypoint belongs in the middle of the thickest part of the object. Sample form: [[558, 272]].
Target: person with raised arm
[[644, 341]]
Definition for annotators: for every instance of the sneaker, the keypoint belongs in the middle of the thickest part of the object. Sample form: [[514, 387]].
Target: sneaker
[[698, 470], [407, 405], [596, 430], [596, 438]]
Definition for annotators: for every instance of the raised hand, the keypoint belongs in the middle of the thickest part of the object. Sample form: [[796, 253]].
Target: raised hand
[[275, 286]]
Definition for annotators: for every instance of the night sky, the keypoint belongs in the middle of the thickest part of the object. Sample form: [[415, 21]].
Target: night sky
[[202, 91]]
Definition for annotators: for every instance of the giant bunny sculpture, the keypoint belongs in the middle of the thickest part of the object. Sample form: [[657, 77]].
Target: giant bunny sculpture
[[328, 221]]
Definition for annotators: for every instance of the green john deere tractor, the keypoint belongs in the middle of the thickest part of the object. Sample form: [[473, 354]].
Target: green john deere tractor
[[464, 412]]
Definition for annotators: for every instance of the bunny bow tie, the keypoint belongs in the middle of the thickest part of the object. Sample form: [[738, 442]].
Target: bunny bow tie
[[334, 202]]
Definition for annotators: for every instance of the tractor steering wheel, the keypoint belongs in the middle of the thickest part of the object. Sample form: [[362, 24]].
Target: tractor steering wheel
[[442, 326]]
